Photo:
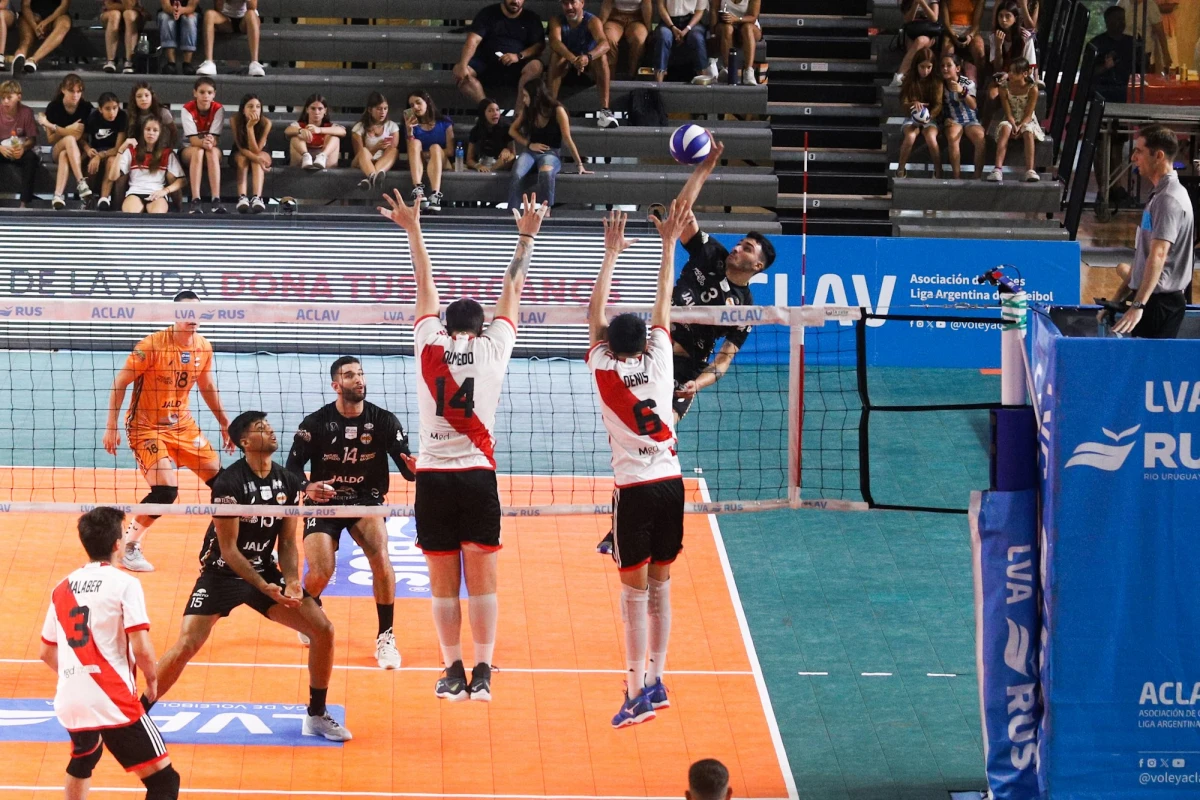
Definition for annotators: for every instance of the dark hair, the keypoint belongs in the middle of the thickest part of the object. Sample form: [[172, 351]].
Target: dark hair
[[1014, 37], [1160, 137], [241, 426], [481, 123], [764, 244], [1108, 12], [627, 334], [926, 90], [1019, 65], [70, 80], [135, 114], [239, 122], [106, 98], [541, 104], [708, 779], [431, 110], [374, 100], [203, 79], [153, 158], [99, 530], [341, 362], [308, 101], [464, 315], [186, 294]]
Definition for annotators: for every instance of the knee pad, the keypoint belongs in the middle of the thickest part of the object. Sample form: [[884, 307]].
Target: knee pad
[[162, 785], [81, 766], [161, 494]]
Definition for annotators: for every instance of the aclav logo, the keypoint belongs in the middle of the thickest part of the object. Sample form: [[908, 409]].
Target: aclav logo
[[1108, 457]]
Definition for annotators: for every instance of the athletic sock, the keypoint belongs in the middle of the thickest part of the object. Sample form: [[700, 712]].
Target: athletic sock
[[634, 614], [484, 611], [316, 701], [134, 531], [447, 621], [659, 613], [386, 614]]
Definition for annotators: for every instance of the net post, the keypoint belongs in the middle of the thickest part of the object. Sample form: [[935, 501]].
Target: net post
[[795, 408]]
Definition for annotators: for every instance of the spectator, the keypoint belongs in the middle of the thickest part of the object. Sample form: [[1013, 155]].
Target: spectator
[[1145, 15], [1018, 99], [961, 20], [178, 30], [104, 134], [922, 28], [502, 48], [112, 14], [708, 779], [1010, 41], [630, 20], [490, 148], [921, 98], [8, 18], [960, 107], [150, 164], [376, 143], [1114, 66], [578, 47], [64, 122], [47, 21], [143, 103], [1028, 12], [541, 127], [250, 156], [315, 139], [681, 26], [737, 19], [232, 16], [430, 138], [202, 118], [20, 146]]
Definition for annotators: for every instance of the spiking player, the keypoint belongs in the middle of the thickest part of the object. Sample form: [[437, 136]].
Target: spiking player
[[162, 432], [348, 443], [238, 566], [634, 383], [460, 370]]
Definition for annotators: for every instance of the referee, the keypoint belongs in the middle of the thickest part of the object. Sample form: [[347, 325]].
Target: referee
[[1163, 255]]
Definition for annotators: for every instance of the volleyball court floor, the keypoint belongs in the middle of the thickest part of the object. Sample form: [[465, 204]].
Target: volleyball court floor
[[232, 722]]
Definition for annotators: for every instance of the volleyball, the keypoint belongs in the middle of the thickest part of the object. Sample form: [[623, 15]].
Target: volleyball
[[690, 144], [921, 115]]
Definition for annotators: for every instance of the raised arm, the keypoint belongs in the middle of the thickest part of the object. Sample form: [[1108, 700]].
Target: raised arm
[[691, 189], [615, 243], [409, 218], [679, 219], [528, 224]]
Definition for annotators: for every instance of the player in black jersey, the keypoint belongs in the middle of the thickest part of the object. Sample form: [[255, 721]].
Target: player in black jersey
[[348, 443], [238, 566]]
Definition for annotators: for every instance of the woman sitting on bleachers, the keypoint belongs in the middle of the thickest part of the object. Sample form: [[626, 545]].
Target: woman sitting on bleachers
[[628, 20], [922, 29], [64, 122], [430, 139], [490, 147], [541, 127], [143, 103], [376, 142], [315, 141], [250, 157], [735, 24], [921, 99], [154, 171], [1010, 41]]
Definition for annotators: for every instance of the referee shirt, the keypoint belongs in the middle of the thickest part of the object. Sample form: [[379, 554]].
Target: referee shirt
[[1167, 216]]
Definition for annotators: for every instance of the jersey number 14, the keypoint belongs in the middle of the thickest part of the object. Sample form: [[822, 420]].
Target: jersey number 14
[[463, 399]]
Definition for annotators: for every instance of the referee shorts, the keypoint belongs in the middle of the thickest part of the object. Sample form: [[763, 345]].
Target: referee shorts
[[134, 746], [648, 523]]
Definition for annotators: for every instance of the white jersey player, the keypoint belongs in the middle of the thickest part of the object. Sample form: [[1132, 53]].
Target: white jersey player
[[460, 370], [96, 636], [635, 384]]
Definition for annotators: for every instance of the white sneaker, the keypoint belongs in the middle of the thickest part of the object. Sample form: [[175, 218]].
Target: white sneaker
[[326, 726], [898, 79], [319, 161], [385, 650], [58, 203], [709, 74], [748, 77], [303, 639], [996, 176], [1031, 176], [83, 190], [256, 70], [306, 161], [606, 119], [207, 68], [133, 560]]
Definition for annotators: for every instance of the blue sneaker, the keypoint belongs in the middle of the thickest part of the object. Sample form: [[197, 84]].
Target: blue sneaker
[[657, 694], [634, 711]]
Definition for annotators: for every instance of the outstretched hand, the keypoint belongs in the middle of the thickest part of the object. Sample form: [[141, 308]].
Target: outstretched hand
[[679, 216], [529, 218], [399, 212], [714, 153], [614, 233]]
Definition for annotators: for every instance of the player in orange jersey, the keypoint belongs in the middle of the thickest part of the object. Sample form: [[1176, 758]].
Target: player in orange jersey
[[162, 432]]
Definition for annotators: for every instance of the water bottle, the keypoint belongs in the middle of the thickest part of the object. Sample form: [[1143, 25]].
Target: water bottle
[[13, 139], [458, 157], [143, 45], [734, 67]]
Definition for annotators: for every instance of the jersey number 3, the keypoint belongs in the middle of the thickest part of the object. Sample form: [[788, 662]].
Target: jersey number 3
[[463, 399], [78, 635]]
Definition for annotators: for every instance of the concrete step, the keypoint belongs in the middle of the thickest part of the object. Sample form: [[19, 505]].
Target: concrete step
[[970, 195], [1043, 151], [836, 111], [787, 65], [829, 155], [968, 231], [811, 22], [890, 103], [862, 202]]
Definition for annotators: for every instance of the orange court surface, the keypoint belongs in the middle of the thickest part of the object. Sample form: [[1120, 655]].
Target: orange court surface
[[546, 733]]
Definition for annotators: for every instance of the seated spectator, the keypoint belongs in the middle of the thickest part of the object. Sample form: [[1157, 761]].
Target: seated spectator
[[490, 148], [1029, 11], [143, 103], [962, 20], [1146, 15], [502, 48], [1114, 66], [46, 21], [430, 138], [316, 141], [736, 22], [112, 14], [922, 29], [249, 156], [631, 21], [103, 135], [202, 119], [178, 30], [1010, 41], [578, 50], [19, 147], [541, 127], [64, 122], [154, 171], [8, 18], [921, 99], [232, 16], [960, 107], [1018, 99], [375, 140], [681, 24], [708, 779]]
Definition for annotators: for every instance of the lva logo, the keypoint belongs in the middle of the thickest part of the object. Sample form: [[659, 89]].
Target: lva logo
[[1102, 455]]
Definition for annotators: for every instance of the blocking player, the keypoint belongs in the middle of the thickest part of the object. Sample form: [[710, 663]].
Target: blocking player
[[163, 435], [348, 443], [96, 630], [238, 566], [460, 369], [634, 384]]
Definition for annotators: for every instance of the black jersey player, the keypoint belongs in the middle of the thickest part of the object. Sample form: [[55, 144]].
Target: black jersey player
[[347, 444]]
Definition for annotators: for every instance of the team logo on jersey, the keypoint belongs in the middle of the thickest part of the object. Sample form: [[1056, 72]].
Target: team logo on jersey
[[351, 432], [303, 434], [185, 358], [370, 426], [365, 438], [265, 491], [333, 426], [281, 497]]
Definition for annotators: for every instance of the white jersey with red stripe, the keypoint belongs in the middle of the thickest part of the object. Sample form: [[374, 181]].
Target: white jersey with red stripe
[[91, 614], [635, 402], [458, 389]]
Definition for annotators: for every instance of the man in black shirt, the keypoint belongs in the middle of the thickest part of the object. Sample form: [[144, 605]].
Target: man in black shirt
[[502, 48], [348, 443], [238, 566], [1114, 64]]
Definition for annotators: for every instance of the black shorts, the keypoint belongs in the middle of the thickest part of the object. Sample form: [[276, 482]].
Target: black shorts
[[134, 746], [457, 507], [491, 72], [331, 527], [648, 523], [217, 593], [582, 80], [236, 22], [685, 370], [1162, 316]]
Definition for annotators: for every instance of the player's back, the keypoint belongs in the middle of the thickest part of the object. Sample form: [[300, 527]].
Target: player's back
[[165, 373]]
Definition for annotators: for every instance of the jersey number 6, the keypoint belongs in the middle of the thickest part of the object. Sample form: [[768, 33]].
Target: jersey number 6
[[648, 423], [463, 399]]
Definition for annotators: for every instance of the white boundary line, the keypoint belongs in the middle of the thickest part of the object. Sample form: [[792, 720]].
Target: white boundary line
[[789, 780], [356, 667]]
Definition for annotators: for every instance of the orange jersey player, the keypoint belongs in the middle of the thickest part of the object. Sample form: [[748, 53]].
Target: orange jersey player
[[163, 435]]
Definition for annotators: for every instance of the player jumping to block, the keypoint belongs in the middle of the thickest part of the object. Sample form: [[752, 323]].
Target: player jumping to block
[[634, 383], [162, 432], [348, 442], [96, 631], [460, 371], [238, 566]]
